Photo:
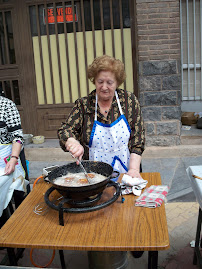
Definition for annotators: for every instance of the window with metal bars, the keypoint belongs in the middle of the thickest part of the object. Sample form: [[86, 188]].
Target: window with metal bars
[[7, 51], [10, 90], [63, 51], [191, 49], [97, 15]]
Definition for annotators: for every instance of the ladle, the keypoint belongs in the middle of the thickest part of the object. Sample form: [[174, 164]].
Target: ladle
[[81, 165]]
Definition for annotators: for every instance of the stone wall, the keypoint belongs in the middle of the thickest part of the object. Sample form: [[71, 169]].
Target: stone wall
[[159, 70]]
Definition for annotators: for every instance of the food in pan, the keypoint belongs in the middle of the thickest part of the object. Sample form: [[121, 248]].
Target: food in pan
[[83, 180], [91, 175], [78, 179], [69, 178]]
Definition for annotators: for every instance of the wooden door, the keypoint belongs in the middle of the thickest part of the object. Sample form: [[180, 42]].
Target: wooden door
[[66, 36], [16, 62]]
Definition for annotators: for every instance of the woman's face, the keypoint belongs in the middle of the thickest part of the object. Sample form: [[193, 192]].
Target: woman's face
[[105, 84]]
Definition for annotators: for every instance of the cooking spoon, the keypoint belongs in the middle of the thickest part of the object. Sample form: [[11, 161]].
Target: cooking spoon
[[84, 170], [196, 177]]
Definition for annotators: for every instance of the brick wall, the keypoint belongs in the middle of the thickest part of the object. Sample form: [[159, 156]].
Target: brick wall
[[158, 26]]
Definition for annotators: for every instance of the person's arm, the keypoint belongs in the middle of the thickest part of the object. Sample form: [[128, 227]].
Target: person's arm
[[13, 123], [134, 165], [10, 166], [137, 138], [69, 132]]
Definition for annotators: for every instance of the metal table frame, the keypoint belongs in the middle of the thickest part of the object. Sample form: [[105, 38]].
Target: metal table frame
[[198, 242]]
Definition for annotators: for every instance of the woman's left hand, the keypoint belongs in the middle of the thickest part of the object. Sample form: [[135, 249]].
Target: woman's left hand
[[10, 166], [134, 166], [134, 173]]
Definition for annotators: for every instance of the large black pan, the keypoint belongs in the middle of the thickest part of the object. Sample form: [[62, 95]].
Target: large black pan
[[80, 192]]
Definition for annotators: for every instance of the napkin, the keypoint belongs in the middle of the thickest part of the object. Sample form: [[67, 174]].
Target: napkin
[[2, 173], [153, 196], [132, 185]]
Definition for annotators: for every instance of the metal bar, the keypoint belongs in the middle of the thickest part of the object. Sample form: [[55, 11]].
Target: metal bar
[[191, 98], [4, 88], [121, 27], [201, 41], [11, 256], [152, 259], [197, 254], [191, 66], [194, 17], [112, 26], [1, 46], [58, 52], [79, 16], [76, 48], [84, 40], [134, 46], [6, 39], [188, 79], [181, 34], [62, 259], [102, 26], [41, 54], [19, 253], [67, 52], [122, 34], [0, 58], [12, 91], [93, 26], [49, 53]]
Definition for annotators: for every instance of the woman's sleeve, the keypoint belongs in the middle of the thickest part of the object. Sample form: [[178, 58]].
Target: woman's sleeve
[[13, 122], [137, 137], [72, 127]]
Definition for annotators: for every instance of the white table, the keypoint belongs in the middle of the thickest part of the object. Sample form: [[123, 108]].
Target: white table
[[196, 184]]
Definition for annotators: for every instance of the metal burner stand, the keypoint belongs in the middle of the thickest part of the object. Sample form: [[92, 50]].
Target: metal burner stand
[[88, 203]]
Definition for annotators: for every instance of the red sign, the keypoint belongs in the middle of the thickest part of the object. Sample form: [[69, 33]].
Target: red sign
[[59, 14]]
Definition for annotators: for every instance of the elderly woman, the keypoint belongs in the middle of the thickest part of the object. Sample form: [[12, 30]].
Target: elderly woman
[[106, 125], [12, 172]]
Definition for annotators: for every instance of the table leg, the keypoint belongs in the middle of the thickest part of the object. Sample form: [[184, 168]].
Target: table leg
[[197, 255], [19, 253], [61, 219], [11, 256], [152, 259], [62, 260]]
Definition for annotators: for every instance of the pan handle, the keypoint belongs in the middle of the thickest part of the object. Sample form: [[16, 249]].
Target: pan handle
[[46, 179], [114, 176]]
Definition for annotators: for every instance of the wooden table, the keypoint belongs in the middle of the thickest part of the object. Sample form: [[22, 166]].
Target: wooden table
[[118, 227]]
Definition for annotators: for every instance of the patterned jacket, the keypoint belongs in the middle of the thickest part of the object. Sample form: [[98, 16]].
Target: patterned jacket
[[80, 121], [10, 122]]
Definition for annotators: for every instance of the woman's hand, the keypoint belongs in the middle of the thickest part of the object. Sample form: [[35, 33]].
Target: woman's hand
[[74, 147], [134, 165], [134, 173], [10, 166]]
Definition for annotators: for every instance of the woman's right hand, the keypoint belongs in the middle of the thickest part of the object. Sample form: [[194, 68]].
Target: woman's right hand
[[75, 148], [10, 166]]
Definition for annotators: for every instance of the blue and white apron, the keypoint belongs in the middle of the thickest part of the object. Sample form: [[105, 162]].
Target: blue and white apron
[[109, 142], [9, 183]]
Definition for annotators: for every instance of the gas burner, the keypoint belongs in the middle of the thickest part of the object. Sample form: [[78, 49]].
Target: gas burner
[[81, 206]]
